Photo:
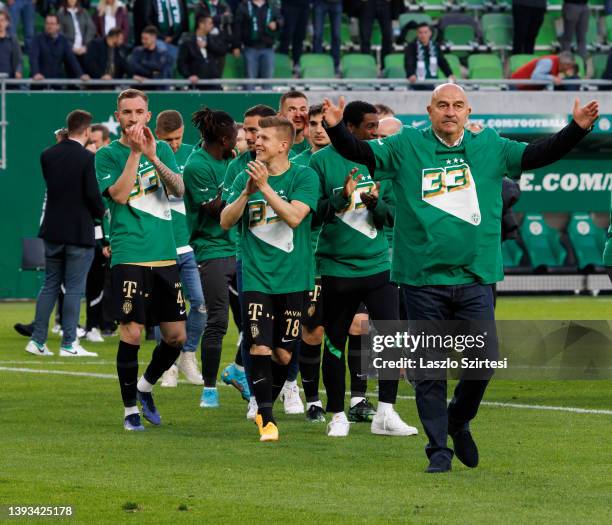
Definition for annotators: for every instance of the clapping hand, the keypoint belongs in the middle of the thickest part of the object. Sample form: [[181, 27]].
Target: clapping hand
[[370, 198], [585, 116], [350, 183]]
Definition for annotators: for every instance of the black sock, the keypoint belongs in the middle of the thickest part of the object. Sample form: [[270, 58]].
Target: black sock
[[127, 371], [261, 372], [211, 357], [334, 372], [279, 376], [310, 366], [238, 358], [359, 381], [163, 358]]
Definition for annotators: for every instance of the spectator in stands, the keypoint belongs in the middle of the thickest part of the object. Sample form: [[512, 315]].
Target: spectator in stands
[[379, 10], [423, 57], [10, 49], [295, 19], [106, 57], [200, 54], [575, 22], [110, 14], [24, 10], [256, 26], [51, 54], [528, 16], [149, 60], [76, 25], [170, 17], [550, 68], [220, 11], [334, 9]]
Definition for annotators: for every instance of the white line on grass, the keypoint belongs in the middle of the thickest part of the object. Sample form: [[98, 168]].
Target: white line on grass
[[574, 410]]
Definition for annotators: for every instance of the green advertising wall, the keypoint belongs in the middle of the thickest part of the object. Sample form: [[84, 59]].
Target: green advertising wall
[[581, 182]]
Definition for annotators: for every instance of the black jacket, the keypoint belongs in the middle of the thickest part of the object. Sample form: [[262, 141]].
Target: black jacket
[[410, 59], [244, 35], [73, 197], [145, 14], [96, 59], [191, 61]]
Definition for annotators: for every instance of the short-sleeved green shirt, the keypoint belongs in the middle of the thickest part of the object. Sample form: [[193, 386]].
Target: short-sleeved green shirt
[[350, 244], [607, 257], [141, 230], [298, 148], [447, 223], [275, 257], [303, 159], [203, 177], [177, 205]]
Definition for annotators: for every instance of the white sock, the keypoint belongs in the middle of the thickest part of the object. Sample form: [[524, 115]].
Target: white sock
[[239, 368], [144, 386], [127, 411], [356, 401], [290, 384], [339, 416], [252, 399], [384, 407], [314, 404]]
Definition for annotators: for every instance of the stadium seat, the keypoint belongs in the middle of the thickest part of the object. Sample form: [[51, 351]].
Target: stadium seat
[[543, 243], [496, 19], [394, 72], [547, 35], [234, 67], [282, 66], [417, 18], [608, 26], [580, 64], [318, 72], [455, 65], [498, 36], [345, 33], [485, 66], [587, 240], [512, 253], [593, 38], [599, 64], [459, 35], [434, 8], [318, 60], [394, 66], [519, 60], [358, 61]]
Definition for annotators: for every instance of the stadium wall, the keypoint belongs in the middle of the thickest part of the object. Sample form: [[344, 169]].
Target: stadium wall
[[581, 183]]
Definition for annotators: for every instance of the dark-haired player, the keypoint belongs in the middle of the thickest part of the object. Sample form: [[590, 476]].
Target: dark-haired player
[[215, 248], [137, 173], [294, 107], [353, 257], [273, 199]]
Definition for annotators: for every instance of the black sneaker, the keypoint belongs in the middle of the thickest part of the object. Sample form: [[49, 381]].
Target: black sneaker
[[24, 329], [362, 412], [465, 448], [315, 414]]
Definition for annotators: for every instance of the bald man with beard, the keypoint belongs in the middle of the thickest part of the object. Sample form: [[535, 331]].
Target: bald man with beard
[[448, 181]]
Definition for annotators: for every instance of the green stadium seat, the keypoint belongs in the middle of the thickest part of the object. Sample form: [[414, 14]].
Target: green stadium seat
[[512, 253], [431, 7], [547, 35], [600, 62], [26, 65], [345, 33], [485, 66], [455, 65], [394, 72], [543, 243], [498, 35], [459, 35], [319, 60], [593, 37], [394, 66], [318, 72], [587, 240], [496, 19], [418, 18], [519, 60], [282, 66], [361, 72], [608, 26], [358, 61], [580, 63], [234, 67]]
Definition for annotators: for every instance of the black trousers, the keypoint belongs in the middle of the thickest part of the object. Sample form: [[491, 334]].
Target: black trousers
[[341, 299], [462, 302], [370, 11], [294, 29], [94, 289], [527, 23]]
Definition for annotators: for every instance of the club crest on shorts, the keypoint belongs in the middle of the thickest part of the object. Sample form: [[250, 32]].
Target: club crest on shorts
[[127, 307], [254, 330]]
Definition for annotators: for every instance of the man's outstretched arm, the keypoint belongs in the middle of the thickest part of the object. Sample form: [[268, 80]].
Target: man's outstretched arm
[[551, 149]]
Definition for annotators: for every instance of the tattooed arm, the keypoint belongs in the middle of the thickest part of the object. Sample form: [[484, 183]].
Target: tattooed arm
[[172, 181]]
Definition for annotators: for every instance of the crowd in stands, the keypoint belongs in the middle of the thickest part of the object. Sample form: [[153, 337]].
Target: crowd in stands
[[211, 39]]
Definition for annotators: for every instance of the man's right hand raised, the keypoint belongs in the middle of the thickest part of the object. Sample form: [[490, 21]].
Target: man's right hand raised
[[332, 114], [350, 183]]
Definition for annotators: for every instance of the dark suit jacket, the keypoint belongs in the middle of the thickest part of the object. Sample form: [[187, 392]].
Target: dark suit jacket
[[73, 196], [97, 56], [145, 14], [53, 57], [192, 62]]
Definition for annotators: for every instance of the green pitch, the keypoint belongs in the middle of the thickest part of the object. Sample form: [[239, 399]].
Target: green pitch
[[62, 443]]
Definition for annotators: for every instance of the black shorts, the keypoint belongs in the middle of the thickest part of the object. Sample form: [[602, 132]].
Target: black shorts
[[147, 295], [313, 309], [275, 320], [362, 309]]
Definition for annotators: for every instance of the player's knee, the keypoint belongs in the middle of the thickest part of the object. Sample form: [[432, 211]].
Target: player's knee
[[312, 336], [130, 333], [260, 350], [358, 326], [282, 357], [176, 340]]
